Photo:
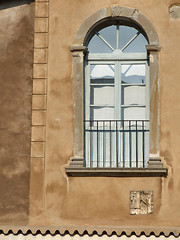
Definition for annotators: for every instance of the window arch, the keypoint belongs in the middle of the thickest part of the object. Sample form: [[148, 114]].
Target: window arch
[[118, 18], [117, 36]]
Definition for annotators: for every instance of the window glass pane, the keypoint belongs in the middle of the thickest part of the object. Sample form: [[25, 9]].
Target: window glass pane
[[133, 73], [102, 84], [133, 95], [102, 113], [125, 35], [138, 45], [101, 72], [96, 45], [102, 95], [133, 113], [109, 34]]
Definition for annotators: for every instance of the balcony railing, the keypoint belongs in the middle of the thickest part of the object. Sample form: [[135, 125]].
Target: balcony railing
[[116, 143]]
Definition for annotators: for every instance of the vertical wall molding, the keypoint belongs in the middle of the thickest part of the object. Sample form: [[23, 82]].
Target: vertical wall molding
[[39, 103]]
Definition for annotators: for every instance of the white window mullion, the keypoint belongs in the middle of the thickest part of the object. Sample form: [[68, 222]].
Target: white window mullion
[[87, 115], [117, 97], [147, 91], [119, 91], [87, 92], [117, 36]]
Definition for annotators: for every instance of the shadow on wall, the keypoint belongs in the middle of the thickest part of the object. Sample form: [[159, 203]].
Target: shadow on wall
[[13, 3], [16, 71]]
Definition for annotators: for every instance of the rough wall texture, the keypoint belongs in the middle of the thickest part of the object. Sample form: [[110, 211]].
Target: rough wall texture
[[96, 201], [16, 50], [105, 201]]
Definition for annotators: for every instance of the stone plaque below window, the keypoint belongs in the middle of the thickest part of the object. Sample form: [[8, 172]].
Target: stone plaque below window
[[141, 202]]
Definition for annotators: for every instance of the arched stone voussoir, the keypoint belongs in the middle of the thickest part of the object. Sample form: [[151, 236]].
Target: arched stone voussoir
[[116, 11]]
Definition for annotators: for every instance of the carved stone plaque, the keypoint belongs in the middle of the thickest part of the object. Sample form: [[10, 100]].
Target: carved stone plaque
[[116, 11], [141, 202]]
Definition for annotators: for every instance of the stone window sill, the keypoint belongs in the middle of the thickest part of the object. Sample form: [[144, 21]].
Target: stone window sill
[[155, 169], [116, 172]]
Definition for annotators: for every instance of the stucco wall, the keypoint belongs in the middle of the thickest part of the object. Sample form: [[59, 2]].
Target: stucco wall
[[105, 201], [55, 199], [16, 50]]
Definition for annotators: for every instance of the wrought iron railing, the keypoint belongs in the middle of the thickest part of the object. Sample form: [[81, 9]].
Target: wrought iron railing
[[116, 143]]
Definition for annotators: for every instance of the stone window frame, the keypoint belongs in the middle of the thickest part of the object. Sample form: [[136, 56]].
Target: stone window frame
[[79, 50]]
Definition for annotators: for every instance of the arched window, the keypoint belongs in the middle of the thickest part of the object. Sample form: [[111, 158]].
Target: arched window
[[116, 128], [117, 98]]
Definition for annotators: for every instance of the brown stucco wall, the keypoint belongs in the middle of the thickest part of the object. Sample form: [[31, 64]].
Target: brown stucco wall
[[16, 50], [103, 201], [55, 199]]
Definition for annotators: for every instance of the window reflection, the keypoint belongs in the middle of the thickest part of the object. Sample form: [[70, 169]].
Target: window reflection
[[117, 37], [102, 91], [133, 73]]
